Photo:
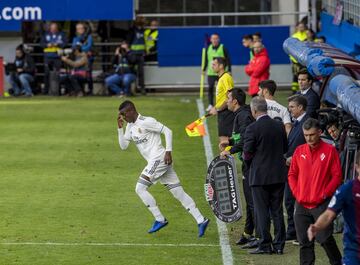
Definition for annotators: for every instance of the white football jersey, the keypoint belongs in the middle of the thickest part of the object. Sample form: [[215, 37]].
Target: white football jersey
[[146, 133], [275, 109]]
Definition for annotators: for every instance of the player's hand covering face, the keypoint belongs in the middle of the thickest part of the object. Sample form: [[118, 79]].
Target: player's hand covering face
[[120, 121], [168, 158]]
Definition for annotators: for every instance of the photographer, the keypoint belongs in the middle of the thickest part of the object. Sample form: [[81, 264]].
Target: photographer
[[83, 38], [77, 75], [22, 73], [124, 60]]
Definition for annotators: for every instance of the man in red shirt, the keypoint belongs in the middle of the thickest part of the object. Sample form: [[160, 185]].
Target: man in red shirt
[[314, 175], [258, 68]]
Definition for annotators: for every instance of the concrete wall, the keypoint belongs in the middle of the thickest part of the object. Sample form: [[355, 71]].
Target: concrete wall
[[190, 76]]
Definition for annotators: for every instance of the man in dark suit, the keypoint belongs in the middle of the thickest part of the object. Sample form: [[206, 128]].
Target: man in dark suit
[[297, 107], [313, 100], [265, 144]]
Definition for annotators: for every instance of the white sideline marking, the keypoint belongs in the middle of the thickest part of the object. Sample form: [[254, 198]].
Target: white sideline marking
[[222, 230], [105, 244]]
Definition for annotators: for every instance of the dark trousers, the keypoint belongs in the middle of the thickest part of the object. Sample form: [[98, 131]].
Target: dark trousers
[[268, 201], [50, 64], [303, 219], [289, 201], [211, 83], [73, 83], [249, 222]]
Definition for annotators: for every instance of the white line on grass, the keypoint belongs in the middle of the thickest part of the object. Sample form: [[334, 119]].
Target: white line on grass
[[222, 230], [104, 244]]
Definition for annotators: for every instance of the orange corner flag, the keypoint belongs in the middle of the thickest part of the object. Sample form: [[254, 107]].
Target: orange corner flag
[[196, 128]]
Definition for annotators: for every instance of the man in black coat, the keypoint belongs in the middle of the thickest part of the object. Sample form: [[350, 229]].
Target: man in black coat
[[297, 108], [265, 144], [243, 118], [313, 100]]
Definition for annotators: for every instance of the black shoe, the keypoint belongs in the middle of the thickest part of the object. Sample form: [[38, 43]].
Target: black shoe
[[278, 251], [245, 239], [261, 251], [252, 244]]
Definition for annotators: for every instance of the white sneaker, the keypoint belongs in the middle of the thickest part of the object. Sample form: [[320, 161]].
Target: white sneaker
[[209, 107]]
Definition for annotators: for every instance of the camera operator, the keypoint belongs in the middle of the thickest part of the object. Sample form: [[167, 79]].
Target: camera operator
[[22, 73], [124, 61], [77, 75]]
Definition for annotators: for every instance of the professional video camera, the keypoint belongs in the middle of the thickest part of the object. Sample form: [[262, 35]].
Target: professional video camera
[[348, 138]]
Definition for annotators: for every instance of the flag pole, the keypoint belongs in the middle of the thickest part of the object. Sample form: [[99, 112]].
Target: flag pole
[[202, 73]]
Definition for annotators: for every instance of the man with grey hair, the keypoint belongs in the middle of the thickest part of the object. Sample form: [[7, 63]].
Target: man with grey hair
[[265, 144]]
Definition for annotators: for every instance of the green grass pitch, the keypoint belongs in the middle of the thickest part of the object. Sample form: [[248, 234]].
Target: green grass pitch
[[65, 181]]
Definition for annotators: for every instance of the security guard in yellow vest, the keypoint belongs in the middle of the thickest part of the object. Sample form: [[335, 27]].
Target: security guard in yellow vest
[[151, 36], [215, 49], [299, 34]]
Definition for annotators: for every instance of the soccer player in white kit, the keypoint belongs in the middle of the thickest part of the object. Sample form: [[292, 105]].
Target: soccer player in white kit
[[146, 133], [267, 90]]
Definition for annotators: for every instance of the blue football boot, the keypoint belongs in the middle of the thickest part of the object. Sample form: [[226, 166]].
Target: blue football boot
[[157, 226], [202, 227]]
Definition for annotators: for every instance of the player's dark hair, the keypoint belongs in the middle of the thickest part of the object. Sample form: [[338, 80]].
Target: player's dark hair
[[221, 60], [311, 123], [125, 104], [299, 100], [247, 37], [239, 95], [270, 85], [305, 72]]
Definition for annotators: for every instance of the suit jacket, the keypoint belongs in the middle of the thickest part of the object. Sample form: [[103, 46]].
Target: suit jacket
[[265, 144], [313, 102], [296, 136]]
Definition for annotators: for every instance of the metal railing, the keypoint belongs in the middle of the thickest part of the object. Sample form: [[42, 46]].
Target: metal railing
[[222, 15], [351, 9]]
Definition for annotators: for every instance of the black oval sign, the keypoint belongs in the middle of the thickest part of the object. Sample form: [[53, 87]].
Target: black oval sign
[[222, 189]]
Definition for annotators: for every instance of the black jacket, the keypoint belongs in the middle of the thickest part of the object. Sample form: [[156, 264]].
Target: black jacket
[[242, 119], [265, 144], [26, 63], [124, 63], [296, 136], [313, 102]]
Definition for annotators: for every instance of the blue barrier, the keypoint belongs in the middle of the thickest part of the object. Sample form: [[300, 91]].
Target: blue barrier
[[182, 46], [347, 92]]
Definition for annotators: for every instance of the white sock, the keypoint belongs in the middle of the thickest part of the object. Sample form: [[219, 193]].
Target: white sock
[[188, 203], [149, 201]]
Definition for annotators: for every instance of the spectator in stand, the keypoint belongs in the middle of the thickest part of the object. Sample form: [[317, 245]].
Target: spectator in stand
[[247, 42], [297, 107], [136, 40], [300, 34], [151, 38], [83, 38], [124, 62], [314, 175], [257, 37], [52, 41], [215, 49], [345, 200], [258, 68], [21, 76], [78, 74], [313, 100], [310, 35], [267, 90]]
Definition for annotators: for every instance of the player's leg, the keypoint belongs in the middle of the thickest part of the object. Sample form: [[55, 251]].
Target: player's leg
[[142, 191], [172, 182]]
